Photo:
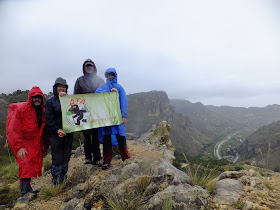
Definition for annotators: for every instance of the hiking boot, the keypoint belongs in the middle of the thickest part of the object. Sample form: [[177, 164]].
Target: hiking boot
[[105, 166], [98, 163], [88, 161]]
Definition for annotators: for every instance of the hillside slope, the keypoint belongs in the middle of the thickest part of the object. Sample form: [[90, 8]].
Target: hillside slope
[[262, 147], [147, 109]]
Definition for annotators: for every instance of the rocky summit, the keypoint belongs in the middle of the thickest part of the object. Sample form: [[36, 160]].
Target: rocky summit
[[148, 180]]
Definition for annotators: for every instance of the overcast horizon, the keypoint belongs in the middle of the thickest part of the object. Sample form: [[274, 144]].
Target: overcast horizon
[[214, 52]]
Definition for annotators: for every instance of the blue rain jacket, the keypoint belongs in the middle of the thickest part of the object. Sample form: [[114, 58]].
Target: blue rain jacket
[[106, 87]]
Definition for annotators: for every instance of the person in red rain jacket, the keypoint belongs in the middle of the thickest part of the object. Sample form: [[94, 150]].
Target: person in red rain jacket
[[25, 125]]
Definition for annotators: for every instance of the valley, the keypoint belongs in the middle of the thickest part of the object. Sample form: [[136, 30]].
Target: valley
[[218, 147]]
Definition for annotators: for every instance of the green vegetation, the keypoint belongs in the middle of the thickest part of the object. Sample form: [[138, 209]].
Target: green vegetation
[[168, 204], [209, 148], [200, 175], [8, 195], [47, 163], [132, 199], [238, 204], [234, 141], [9, 172], [51, 191], [205, 161]]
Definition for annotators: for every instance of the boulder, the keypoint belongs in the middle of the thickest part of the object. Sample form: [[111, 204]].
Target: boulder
[[228, 191], [182, 196]]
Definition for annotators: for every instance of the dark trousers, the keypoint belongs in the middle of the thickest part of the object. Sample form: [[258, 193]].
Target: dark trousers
[[24, 185], [61, 150], [91, 144], [108, 151]]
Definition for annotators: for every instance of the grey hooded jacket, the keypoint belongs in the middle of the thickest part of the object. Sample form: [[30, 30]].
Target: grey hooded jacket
[[87, 83]]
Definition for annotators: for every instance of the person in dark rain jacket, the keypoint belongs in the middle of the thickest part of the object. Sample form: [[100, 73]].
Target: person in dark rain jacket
[[25, 126], [61, 143], [119, 131], [88, 84]]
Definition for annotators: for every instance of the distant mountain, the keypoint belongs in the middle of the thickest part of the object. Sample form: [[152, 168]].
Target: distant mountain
[[262, 147], [148, 109], [225, 118], [205, 120], [252, 117]]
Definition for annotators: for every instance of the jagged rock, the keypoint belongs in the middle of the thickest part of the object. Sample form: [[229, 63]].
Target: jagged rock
[[81, 173], [147, 184], [79, 151], [73, 204], [228, 191], [23, 201], [145, 137], [131, 136], [92, 197], [153, 166], [77, 192], [161, 135], [232, 174], [183, 197], [255, 182]]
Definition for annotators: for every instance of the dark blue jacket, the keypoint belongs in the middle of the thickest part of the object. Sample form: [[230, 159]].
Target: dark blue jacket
[[53, 114]]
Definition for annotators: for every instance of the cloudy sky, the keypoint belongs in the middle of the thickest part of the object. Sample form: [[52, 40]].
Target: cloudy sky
[[216, 52]]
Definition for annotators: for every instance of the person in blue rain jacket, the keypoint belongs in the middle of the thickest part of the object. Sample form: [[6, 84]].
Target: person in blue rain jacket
[[119, 131]]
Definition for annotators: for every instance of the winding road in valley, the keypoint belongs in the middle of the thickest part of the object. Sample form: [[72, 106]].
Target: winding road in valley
[[219, 144]]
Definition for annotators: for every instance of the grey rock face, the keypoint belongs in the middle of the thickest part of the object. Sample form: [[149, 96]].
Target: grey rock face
[[73, 204], [22, 202], [228, 191], [78, 192], [79, 151], [182, 196], [154, 167]]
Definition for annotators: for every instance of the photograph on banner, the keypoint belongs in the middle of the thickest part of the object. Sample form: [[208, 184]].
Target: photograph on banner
[[86, 111]]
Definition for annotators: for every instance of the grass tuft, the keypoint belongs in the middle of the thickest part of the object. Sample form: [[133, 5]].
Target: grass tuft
[[167, 204], [51, 191], [10, 172], [47, 162], [200, 175]]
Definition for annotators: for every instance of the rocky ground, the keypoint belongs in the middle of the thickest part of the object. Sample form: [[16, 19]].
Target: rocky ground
[[149, 181]]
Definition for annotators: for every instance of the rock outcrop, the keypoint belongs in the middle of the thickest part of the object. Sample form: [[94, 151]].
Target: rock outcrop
[[148, 180]]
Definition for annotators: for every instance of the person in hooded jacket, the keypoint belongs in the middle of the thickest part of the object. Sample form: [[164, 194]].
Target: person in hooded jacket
[[25, 126], [88, 83], [61, 143], [119, 131]]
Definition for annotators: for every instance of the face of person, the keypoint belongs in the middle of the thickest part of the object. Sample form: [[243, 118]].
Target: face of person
[[111, 76], [37, 100], [61, 88], [89, 68]]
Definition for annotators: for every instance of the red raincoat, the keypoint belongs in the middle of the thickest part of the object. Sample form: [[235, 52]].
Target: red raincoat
[[23, 131]]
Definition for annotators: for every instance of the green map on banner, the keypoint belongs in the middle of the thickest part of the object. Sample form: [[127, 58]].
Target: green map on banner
[[86, 111]]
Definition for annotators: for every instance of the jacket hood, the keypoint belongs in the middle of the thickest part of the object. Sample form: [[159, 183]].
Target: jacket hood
[[111, 70], [35, 91], [61, 81], [94, 67]]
